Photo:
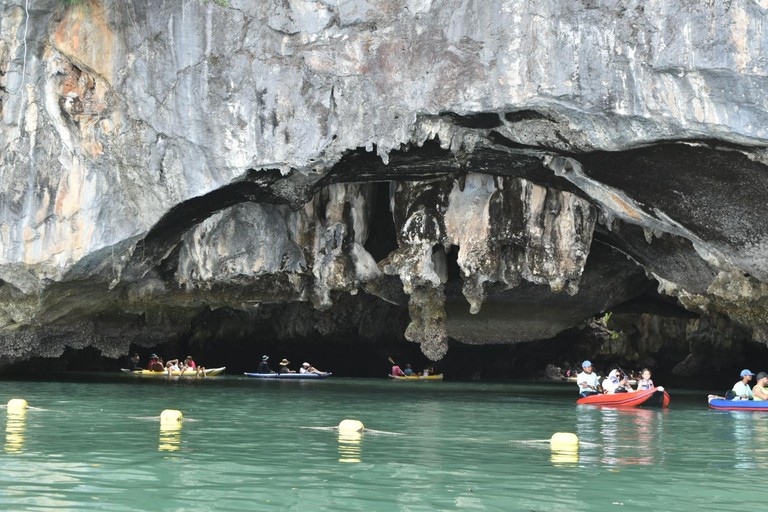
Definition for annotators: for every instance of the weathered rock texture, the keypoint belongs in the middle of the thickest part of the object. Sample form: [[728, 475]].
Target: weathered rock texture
[[503, 169]]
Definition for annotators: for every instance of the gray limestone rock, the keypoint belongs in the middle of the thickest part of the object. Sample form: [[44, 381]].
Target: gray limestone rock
[[158, 158]]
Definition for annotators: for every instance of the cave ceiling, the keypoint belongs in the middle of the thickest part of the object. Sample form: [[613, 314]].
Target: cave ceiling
[[497, 185]]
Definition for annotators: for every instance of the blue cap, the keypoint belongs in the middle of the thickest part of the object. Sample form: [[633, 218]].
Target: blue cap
[[586, 363], [746, 372]]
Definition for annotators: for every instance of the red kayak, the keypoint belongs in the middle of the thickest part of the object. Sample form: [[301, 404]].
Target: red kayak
[[653, 397]]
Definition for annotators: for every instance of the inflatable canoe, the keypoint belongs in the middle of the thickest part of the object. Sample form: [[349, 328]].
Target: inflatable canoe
[[289, 375], [439, 376], [650, 397], [718, 402], [209, 372]]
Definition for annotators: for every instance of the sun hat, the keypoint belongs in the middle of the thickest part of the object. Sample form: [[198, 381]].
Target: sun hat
[[153, 356], [761, 375], [305, 364], [745, 372], [613, 373], [586, 364], [285, 362], [264, 358]]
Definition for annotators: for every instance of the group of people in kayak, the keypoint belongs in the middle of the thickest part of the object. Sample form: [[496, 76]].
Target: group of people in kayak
[[408, 371], [283, 367], [156, 364], [616, 381], [742, 391]]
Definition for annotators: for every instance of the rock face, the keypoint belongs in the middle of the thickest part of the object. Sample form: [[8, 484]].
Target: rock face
[[504, 170]]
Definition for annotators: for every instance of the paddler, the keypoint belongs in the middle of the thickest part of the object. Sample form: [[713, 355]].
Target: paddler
[[587, 380], [741, 389]]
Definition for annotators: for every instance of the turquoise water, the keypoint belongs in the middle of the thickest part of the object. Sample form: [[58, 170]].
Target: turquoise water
[[462, 446]]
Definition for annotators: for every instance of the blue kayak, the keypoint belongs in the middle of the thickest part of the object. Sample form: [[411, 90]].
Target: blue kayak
[[717, 402], [289, 375]]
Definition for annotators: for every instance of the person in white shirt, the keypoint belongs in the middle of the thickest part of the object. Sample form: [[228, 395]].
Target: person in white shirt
[[741, 389], [587, 380], [616, 383]]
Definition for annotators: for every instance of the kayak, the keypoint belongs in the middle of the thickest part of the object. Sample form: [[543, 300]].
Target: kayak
[[653, 397], [289, 375], [717, 402], [209, 372], [439, 376]]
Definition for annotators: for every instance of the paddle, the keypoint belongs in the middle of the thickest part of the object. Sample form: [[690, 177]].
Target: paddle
[[391, 360]]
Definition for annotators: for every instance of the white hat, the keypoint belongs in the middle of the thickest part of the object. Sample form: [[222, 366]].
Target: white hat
[[304, 364], [614, 373]]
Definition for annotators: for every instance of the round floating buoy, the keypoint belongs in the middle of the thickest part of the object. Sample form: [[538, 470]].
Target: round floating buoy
[[17, 404], [351, 426], [171, 416], [564, 441]]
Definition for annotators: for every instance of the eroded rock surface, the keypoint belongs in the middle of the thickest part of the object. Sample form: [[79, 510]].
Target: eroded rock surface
[[503, 170]]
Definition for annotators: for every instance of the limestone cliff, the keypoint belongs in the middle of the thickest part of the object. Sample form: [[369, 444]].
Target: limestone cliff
[[504, 170]]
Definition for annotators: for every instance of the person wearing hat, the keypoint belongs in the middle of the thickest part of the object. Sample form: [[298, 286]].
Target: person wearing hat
[[284, 366], [741, 389], [760, 390], [155, 363], [264, 365], [616, 383], [587, 380]]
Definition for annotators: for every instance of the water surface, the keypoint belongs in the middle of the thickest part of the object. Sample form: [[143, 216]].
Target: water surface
[[462, 446]]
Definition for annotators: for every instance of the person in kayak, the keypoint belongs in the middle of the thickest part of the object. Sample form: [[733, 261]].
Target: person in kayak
[[284, 367], [397, 372], [587, 380], [308, 368], [616, 382], [264, 365], [645, 382], [134, 359], [741, 389], [408, 372], [760, 389], [155, 363]]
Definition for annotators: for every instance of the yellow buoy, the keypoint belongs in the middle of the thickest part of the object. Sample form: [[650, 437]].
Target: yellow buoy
[[171, 416], [564, 441], [17, 404], [351, 426]]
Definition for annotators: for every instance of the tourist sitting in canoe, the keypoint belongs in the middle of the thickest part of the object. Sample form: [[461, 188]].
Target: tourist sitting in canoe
[[172, 366], [284, 367], [760, 389], [741, 389], [616, 382], [308, 368], [134, 362], [397, 372], [188, 365], [645, 382], [155, 363], [264, 365], [587, 381], [408, 372]]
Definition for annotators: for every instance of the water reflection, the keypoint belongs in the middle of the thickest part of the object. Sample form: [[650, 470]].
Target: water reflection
[[15, 427], [170, 436], [627, 436], [350, 446], [565, 457]]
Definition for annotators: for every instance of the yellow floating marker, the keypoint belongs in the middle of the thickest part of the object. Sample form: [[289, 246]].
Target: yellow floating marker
[[564, 441], [17, 405], [351, 426], [565, 448], [171, 416]]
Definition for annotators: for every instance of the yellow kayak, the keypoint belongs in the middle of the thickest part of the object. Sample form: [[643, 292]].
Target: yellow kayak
[[209, 372], [439, 376]]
